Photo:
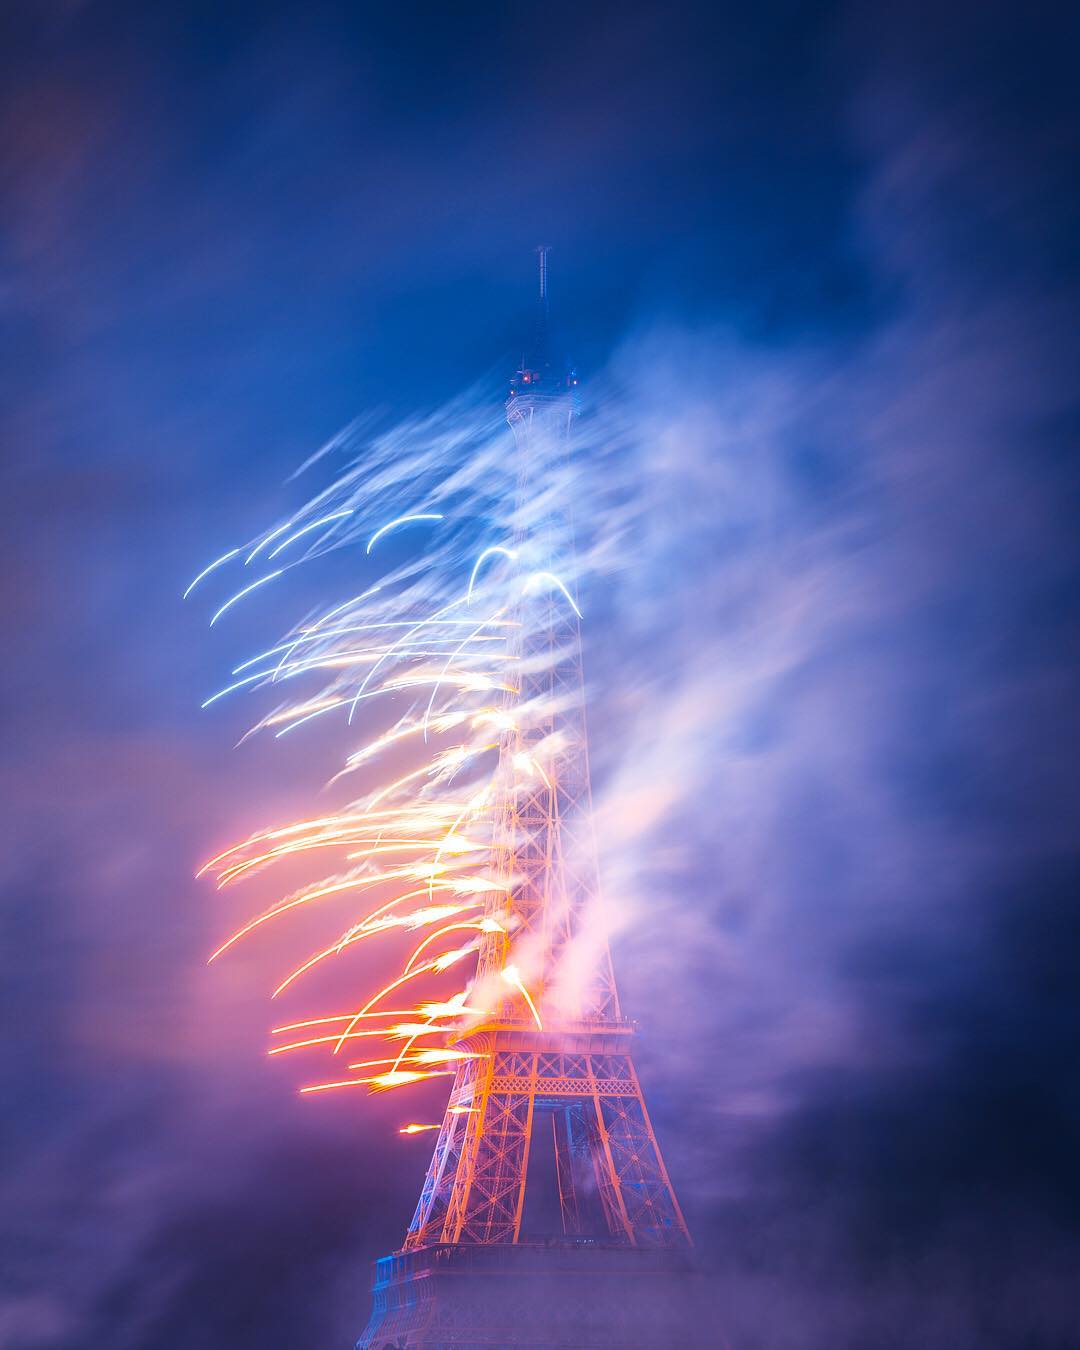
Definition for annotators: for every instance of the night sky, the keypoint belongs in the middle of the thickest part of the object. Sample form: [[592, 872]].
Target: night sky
[[828, 256]]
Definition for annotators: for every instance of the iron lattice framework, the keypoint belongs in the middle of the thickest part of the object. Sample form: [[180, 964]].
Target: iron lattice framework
[[575, 1077]]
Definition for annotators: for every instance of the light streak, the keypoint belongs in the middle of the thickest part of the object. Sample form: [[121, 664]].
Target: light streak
[[550, 577], [401, 1031], [299, 709], [526, 764], [487, 553], [385, 1080], [327, 1021], [267, 539], [328, 706], [434, 937], [207, 570], [337, 515], [248, 679], [393, 524], [443, 1056], [398, 1078], [246, 591], [512, 975], [455, 1007]]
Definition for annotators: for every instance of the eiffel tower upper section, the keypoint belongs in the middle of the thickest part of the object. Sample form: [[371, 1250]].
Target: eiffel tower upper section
[[545, 848]]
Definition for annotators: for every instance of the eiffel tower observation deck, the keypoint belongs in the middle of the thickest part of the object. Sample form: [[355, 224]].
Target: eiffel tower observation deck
[[546, 1218]]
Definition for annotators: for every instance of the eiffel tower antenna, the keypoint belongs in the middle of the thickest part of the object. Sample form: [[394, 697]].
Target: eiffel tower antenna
[[546, 1206], [543, 318]]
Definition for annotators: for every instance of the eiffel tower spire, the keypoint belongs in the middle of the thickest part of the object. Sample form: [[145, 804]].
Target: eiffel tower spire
[[541, 353]]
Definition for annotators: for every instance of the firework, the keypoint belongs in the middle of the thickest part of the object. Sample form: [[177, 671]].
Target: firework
[[420, 668]]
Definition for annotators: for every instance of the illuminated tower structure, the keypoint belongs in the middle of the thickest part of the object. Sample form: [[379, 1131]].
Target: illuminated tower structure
[[546, 1217]]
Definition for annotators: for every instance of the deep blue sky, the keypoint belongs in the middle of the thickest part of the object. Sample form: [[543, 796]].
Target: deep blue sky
[[833, 249]]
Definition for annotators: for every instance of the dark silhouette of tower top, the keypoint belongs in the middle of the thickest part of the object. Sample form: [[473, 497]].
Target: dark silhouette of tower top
[[539, 374]]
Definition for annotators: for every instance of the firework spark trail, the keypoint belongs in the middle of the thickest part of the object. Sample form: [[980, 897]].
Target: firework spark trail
[[435, 501]]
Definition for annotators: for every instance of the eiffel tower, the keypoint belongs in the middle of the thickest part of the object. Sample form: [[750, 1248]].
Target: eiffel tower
[[546, 1218]]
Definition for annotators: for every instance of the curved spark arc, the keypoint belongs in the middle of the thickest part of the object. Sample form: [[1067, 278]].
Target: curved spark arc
[[207, 570], [487, 553], [401, 520], [556, 582], [246, 591], [267, 539], [307, 529]]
